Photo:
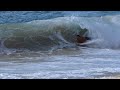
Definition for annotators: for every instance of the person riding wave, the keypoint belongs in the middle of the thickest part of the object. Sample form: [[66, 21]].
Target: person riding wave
[[82, 36]]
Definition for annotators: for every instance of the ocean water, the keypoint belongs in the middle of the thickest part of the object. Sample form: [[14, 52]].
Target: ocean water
[[41, 44]]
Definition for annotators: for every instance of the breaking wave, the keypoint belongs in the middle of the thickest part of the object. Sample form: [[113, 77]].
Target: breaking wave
[[39, 34], [60, 32]]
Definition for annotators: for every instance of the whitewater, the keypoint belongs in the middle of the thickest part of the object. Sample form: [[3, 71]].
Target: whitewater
[[41, 44]]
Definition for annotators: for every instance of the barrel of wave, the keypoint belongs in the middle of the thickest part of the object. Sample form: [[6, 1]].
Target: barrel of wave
[[43, 33]]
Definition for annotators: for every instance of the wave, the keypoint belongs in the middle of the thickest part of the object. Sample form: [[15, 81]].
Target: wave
[[61, 32], [104, 30], [39, 34]]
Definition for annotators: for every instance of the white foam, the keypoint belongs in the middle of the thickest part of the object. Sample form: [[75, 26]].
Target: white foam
[[86, 64], [105, 28]]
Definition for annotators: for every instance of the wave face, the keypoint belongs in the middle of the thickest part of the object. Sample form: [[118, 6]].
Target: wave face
[[54, 30], [39, 34]]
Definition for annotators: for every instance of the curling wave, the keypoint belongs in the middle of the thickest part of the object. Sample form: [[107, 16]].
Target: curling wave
[[39, 34], [61, 32]]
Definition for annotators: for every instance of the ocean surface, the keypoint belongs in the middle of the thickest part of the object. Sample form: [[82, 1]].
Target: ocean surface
[[41, 44]]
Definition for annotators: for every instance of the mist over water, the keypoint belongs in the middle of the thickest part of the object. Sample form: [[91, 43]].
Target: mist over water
[[41, 44]]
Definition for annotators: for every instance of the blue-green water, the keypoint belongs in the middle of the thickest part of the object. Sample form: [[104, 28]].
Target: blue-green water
[[26, 16]]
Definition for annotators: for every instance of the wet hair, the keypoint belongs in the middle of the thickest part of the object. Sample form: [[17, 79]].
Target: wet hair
[[78, 35], [87, 38]]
